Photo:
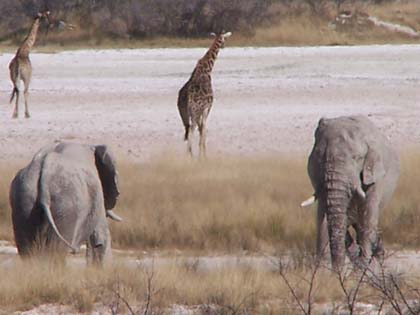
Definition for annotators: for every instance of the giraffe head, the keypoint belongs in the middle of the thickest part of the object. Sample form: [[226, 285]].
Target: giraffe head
[[221, 37], [44, 15]]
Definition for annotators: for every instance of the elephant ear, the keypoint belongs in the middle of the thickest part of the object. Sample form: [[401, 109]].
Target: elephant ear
[[373, 168], [105, 164]]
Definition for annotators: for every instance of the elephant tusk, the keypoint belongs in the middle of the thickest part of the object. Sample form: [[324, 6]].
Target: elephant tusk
[[113, 216], [308, 201], [360, 192]]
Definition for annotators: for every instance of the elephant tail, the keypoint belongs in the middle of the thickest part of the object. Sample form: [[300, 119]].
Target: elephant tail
[[43, 201]]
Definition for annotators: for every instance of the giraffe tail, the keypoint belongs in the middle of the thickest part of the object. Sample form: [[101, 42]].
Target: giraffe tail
[[14, 92], [183, 109], [187, 130]]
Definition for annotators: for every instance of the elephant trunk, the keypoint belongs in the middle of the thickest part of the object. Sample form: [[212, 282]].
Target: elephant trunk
[[338, 196]]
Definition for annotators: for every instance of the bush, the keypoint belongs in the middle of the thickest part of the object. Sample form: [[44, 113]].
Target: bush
[[141, 18]]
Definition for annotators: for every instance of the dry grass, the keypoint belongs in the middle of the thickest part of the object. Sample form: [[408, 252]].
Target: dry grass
[[229, 205], [400, 220], [240, 290], [239, 204], [310, 29], [401, 12], [300, 30], [32, 283], [7, 171], [225, 204]]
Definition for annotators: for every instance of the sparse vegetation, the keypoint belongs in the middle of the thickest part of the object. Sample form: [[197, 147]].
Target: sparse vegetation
[[161, 23], [291, 289], [32, 283]]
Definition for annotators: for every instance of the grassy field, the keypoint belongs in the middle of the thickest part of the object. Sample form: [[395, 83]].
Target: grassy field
[[404, 13], [228, 204], [315, 29], [32, 283], [240, 204], [231, 204], [157, 289], [217, 206]]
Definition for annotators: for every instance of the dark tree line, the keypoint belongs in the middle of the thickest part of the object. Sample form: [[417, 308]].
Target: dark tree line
[[149, 18], [139, 18]]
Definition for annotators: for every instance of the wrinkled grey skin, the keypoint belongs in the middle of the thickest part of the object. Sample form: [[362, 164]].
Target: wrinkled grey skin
[[61, 199], [354, 171]]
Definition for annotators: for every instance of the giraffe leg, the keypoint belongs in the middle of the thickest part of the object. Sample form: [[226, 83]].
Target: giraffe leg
[[190, 134], [16, 107], [202, 130], [14, 77], [25, 94], [26, 73]]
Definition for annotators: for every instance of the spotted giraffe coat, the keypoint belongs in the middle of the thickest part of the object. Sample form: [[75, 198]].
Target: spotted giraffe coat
[[195, 98]]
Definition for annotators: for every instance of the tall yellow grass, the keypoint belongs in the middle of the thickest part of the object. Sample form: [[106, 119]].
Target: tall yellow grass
[[7, 171], [224, 204], [401, 218], [230, 204]]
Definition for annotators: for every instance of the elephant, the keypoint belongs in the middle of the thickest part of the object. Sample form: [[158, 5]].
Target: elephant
[[62, 198], [354, 171]]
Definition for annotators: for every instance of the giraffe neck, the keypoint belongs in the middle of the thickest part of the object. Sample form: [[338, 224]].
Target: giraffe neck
[[29, 41], [205, 64]]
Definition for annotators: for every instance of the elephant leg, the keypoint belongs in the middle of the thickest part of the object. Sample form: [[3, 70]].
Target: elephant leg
[[349, 240], [368, 231], [378, 250], [89, 253], [99, 245], [321, 234], [352, 245]]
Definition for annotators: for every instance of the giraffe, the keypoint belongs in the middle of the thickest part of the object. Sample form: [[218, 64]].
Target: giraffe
[[20, 66], [195, 98]]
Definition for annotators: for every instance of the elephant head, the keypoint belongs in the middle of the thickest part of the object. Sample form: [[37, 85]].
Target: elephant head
[[105, 163], [344, 164]]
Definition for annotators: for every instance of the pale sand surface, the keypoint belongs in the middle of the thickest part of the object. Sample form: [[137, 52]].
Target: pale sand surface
[[267, 100]]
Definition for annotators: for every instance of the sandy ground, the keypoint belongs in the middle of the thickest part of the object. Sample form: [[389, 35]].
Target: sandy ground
[[267, 100], [406, 261]]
